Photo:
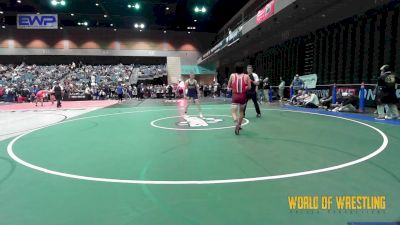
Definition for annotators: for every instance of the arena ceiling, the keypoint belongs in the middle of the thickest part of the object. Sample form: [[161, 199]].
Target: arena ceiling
[[178, 15]]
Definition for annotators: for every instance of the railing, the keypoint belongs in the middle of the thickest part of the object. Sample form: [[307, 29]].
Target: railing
[[365, 92]]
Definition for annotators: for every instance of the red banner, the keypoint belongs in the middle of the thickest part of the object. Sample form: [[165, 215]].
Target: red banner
[[266, 12]]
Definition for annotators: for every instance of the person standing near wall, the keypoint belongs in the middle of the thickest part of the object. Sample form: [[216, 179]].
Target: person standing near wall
[[386, 94], [265, 89], [120, 92], [297, 83], [281, 89], [260, 90]]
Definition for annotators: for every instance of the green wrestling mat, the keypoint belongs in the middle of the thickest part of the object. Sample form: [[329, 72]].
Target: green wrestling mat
[[148, 165]]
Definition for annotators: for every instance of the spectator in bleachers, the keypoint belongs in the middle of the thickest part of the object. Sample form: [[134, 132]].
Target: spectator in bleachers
[[102, 95], [88, 93], [75, 78], [2, 91]]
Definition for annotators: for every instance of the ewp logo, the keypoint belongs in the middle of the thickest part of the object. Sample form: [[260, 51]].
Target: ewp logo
[[33, 21]]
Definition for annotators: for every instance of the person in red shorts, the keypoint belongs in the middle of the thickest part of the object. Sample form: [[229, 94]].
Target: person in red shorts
[[239, 82], [40, 96]]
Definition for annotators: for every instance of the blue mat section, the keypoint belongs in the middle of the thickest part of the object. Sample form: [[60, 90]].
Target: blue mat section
[[355, 116]]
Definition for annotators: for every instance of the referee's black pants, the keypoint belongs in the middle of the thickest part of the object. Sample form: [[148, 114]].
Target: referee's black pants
[[253, 96]]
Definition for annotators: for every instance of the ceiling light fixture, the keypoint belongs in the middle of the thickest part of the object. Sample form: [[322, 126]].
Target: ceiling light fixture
[[58, 2], [201, 9], [134, 6], [83, 24], [141, 25]]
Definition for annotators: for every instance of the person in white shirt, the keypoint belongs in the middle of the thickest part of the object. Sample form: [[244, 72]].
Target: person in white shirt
[[252, 93], [87, 93], [281, 89], [311, 101]]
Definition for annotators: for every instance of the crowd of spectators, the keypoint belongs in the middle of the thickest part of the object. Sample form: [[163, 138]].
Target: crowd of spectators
[[345, 102], [77, 79], [20, 83]]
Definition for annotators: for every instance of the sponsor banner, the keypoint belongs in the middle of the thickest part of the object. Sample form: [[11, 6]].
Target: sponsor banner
[[310, 81], [262, 15], [234, 36], [266, 12], [34, 21], [352, 91], [75, 97], [229, 40], [322, 92]]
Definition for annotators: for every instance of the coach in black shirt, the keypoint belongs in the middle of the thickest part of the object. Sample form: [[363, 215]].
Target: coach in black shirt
[[252, 93]]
